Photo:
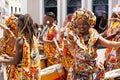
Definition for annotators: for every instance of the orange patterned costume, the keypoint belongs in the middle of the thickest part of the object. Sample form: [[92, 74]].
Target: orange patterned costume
[[50, 49], [78, 61], [8, 47], [79, 56], [112, 54], [30, 61]]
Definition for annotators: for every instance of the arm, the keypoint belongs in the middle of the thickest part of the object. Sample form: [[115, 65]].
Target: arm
[[100, 25], [108, 43], [4, 26], [106, 25], [104, 33], [7, 30], [111, 36], [44, 39], [114, 19], [18, 56], [117, 31]]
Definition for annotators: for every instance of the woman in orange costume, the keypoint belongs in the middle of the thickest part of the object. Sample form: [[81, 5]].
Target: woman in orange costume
[[80, 47], [26, 50], [50, 33], [113, 33], [8, 46]]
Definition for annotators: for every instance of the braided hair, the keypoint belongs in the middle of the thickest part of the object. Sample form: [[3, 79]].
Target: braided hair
[[27, 27]]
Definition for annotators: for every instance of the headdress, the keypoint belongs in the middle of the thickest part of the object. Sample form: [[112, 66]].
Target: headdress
[[85, 14], [11, 23]]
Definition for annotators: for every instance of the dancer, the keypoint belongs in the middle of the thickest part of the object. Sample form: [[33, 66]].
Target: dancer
[[113, 32], [26, 50], [8, 46], [80, 47]]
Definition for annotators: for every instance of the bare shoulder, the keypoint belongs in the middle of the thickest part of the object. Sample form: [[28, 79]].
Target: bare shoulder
[[92, 30], [19, 40]]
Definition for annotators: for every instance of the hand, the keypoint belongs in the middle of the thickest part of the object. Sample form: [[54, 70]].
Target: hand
[[114, 19], [1, 59], [40, 47], [5, 56], [4, 26], [6, 29], [101, 28]]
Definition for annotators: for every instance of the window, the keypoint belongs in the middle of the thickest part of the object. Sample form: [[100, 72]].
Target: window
[[19, 9], [72, 5], [99, 6], [15, 9], [11, 10], [50, 3], [51, 6]]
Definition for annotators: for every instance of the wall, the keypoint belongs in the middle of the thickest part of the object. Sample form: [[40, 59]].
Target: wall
[[24, 6], [33, 9], [36, 9]]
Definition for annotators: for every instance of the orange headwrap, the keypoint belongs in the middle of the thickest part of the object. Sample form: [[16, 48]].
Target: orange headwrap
[[85, 14], [11, 23]]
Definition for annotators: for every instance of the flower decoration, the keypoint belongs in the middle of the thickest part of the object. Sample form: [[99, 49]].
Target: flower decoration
[[11, 23], [84, 14]]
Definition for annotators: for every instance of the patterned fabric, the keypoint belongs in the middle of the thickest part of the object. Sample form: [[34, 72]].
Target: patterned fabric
[[12, 72], [11, 23], [85, 14], [50, 49], [30, 61], [111, 53], [81, 61], [7, 48]]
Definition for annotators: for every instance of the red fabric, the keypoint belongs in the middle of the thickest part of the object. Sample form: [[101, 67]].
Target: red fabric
[[65, 51]]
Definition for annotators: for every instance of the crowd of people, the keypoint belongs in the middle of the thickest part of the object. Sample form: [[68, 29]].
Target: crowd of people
[[51, 52]]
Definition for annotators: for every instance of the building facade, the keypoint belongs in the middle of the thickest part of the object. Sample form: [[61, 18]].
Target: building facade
[[14, 6], [37, 8], [9, 7]]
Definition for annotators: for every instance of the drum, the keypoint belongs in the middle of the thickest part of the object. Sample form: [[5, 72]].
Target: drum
[[113, 75], [54, 72], [43, 62]]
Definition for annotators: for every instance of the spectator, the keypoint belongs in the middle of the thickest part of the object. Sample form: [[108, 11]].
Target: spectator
[[103, 22]]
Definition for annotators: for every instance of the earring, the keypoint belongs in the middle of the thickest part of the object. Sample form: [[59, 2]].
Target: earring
[[48, 22]]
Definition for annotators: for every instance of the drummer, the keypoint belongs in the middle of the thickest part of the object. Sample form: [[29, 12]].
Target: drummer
[[50, 38]]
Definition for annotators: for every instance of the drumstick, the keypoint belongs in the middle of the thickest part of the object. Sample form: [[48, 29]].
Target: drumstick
[[44, 30], [4, 71], [56, 43], [64, 28]]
